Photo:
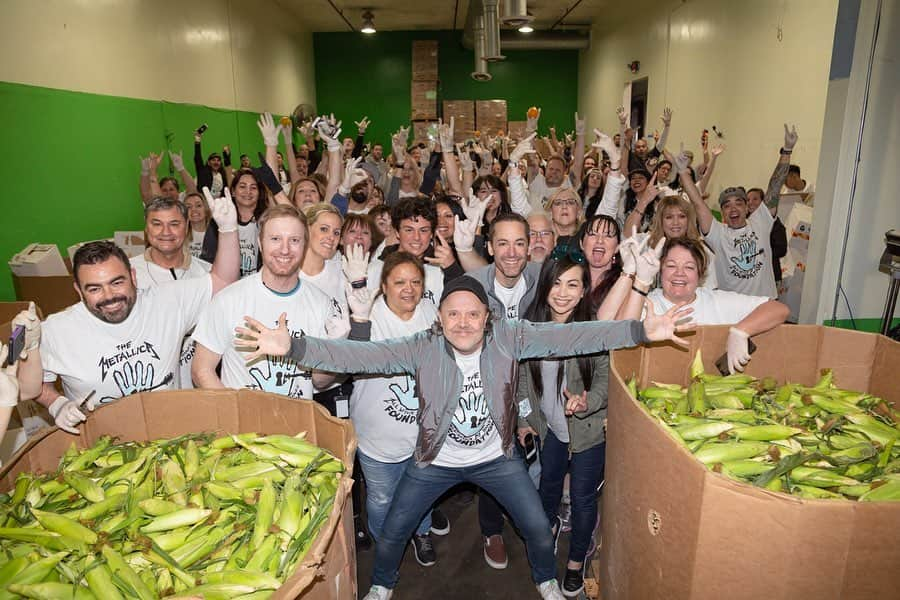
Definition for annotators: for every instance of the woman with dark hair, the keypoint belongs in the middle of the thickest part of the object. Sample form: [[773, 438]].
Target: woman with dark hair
[[563, 405], [492, 186], [591, 190], [199, 217], [359, 230], [250, 197]]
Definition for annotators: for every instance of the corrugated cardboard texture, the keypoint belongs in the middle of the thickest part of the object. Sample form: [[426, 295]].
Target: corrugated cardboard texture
[[424, 60], [52, 294], [516, 129], [329, 569], [463, 113], [490, 116], [424, 100], [672, 529]]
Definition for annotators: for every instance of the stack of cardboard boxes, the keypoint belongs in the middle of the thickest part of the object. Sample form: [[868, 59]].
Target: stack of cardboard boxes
[[490, 117], [424, 88]]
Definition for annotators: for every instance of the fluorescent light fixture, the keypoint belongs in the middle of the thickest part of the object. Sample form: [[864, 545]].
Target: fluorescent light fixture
[[368, 25]]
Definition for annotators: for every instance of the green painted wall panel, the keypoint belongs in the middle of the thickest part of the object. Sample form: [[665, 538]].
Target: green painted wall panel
[[70, 166], [360, 75]]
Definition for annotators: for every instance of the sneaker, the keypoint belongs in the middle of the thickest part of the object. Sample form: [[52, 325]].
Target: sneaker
[[377, 592], [424, 549], [363, 540], [495, 552], [556, 534], [573, 582], [549, 590], [440, 524]]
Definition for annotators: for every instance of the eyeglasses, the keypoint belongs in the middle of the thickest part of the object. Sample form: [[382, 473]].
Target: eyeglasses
[[540, 234], [565, 202], [573, 252]]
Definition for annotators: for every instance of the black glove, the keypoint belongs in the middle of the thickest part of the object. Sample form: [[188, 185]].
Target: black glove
[[265, 174], [226, 158]]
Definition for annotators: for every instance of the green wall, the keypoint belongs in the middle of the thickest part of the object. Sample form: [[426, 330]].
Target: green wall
[[359, 75], [70, 161]]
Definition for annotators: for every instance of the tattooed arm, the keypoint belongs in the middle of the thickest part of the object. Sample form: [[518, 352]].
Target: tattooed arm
[[779, 175]]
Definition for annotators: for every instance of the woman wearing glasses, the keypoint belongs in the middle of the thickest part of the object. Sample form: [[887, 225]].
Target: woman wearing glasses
[[566, 214], [563, 404]]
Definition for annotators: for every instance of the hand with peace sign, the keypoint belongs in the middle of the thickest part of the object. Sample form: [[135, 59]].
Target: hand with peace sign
[[575, 403]]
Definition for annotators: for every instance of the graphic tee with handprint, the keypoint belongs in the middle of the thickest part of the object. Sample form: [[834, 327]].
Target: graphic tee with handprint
[[140, 354], [473, 437], [385, 410], [248, 239], [744, 256], [307, 311]]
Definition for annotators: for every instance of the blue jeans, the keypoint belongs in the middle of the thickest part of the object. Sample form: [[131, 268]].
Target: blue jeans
[[381, 482], [585, 474], [506, 479]]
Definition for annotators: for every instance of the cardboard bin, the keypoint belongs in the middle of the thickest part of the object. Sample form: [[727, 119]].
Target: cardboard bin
[[424, 60], [674, 529], [329, 570], [490, 116], [424, 100], [38, 260], [463, 113]]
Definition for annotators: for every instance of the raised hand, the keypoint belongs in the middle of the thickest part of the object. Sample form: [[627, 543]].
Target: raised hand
[[622, 114], [329, 130], [349, 170], [268, 129], [465, 160], [362, 125], [464, 231], [223, 211], [717, 149], [790, 137], [355, 264], [531, 123], [155, 160], [580, 125], [177, 161], [666, 117], [145, 165], [445, 134], [629, 249], [360, 301], [443, 253], [659, 328], [274, 342], [29, 320], [647, 264], [524, 147]]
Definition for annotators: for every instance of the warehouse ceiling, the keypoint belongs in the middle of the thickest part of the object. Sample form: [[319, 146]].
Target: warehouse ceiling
[[410, 15]]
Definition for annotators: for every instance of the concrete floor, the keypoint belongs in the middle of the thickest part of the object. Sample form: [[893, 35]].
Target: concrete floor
[[460, 572]]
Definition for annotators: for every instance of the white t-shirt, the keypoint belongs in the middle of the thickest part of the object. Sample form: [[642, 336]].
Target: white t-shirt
[[331, 282], [434, 280], [553, 401], [218, 185], [140, 354], [196, 247], [712, 307], [510, 297], [473, 437], [712, 281], [385, 410], [744, 256], [248, 236], [307, 311], [539, 192]]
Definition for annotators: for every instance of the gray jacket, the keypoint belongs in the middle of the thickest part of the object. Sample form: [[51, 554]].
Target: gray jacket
[[486, 275], [429, 358]]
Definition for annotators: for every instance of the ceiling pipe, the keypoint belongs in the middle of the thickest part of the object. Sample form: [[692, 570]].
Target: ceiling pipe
[[481, 72], [538, 40], [492, 31], [514, 13]]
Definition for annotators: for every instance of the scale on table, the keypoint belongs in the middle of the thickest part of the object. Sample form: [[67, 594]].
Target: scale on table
[[890, 264]]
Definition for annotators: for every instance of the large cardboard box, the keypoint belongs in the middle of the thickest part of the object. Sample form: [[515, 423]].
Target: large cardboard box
[[329, 570], [132, 242], [424, 100], [38, 260], [52, 294], [425, 60], [490, 116], [673, 529], [463, 113]]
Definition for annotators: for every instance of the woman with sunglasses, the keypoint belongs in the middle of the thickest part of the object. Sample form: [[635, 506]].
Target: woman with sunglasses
[[563, 404]]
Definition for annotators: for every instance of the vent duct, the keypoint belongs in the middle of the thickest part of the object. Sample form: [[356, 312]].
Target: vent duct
[[481, 67], [492, 31], [515, 13]]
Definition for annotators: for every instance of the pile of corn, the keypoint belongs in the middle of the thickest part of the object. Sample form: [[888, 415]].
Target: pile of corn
[[187, 517], [814, 442]]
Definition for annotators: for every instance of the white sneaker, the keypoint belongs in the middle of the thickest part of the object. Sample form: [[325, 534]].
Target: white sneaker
[[549, 590], [377, 592]]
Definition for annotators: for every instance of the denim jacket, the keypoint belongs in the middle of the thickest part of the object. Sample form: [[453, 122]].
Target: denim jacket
[[429, 357]]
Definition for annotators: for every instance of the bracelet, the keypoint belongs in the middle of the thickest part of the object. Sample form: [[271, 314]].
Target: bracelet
[[628, 275], [785, 152], [641, 292], [358, 284]]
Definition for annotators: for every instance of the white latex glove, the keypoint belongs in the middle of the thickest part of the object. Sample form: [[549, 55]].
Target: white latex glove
[[223, 211], [445, 134], [465, 160], [362, 125], [355, 263], [580, 125], [287, 135], [790, 137], [347, 182], [605, 143], [682, 161], [622, 114], [29, 320], [629, 249], [9, 386], [522, 148], [66, 415], [329, 130], [337, 327], [487, 160], [738, 346], [145, 166], [267, 128], [360, 301], [464, 231], [648, 262], [177, 161], [531, 124]]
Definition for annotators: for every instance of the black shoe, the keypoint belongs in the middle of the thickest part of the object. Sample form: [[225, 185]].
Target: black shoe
[[424, 549], [363, 540], [573, 582], [440, 524]]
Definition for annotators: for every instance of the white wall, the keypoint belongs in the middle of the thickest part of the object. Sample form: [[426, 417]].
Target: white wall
[[875, 207], [224, 53], [720, 62]]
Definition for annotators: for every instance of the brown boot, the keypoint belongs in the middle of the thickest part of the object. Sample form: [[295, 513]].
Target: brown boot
[[495, 552]]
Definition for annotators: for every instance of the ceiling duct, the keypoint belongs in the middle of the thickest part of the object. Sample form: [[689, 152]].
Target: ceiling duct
[[514, 13], [481, 67], [492, 31], [512, 40]]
